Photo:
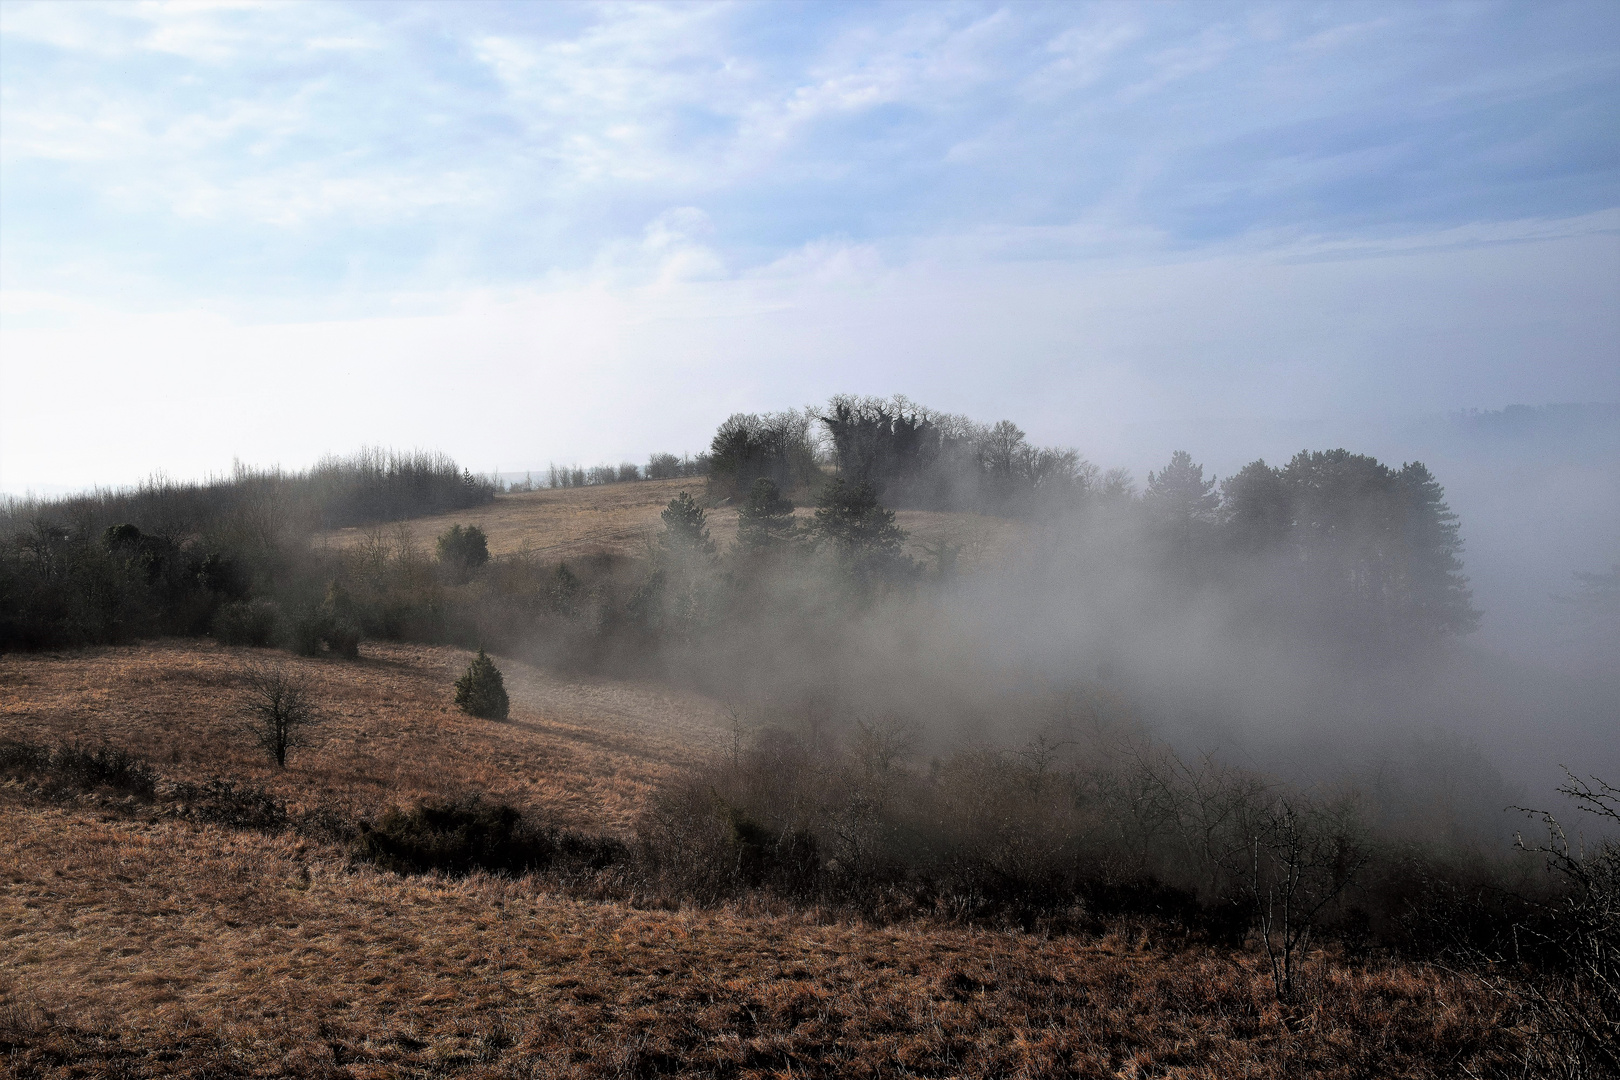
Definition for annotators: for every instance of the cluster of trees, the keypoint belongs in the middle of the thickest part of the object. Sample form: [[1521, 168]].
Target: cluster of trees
[[1330, 537], [1341, 536], [916, 457], [180, 558]]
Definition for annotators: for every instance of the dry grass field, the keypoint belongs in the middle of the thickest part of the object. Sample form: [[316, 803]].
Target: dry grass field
[[163, 949], [622, 519], [582, 751], [136, 946]]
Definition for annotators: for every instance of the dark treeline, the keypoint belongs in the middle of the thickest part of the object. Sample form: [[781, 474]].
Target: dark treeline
[[168, 557], [1343, 537], [1334, 543]]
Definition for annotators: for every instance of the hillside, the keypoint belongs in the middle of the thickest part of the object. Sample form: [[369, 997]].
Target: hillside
[[581, 750], [138, 945]]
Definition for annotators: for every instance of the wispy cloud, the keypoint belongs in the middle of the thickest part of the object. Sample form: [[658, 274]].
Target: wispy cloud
[[335, 163]]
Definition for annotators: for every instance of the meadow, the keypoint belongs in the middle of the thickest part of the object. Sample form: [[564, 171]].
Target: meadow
[[141, 944]]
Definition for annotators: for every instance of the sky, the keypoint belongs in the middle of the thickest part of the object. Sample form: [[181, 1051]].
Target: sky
[[525, 233]]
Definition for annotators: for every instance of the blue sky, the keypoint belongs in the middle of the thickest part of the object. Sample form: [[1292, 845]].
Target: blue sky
[[532, 232]]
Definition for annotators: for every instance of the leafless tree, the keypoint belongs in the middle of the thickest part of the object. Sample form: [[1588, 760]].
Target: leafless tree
[[1577, 1010], [1299, 858], [279, 710]]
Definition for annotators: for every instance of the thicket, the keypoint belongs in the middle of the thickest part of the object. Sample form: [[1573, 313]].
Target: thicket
[[1086, 823]]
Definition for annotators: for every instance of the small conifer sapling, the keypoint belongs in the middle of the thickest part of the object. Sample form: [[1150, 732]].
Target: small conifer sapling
[[481, 691]]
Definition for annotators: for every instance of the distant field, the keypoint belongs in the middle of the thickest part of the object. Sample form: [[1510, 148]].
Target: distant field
[[567, 523]]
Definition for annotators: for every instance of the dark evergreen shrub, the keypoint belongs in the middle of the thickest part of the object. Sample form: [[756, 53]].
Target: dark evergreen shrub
[[463, 548], [481, 691], [307, 630], [344, 640]]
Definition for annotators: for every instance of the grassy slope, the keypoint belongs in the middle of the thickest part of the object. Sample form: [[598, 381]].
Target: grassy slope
[[582, 750], [157, 948], [622, 518]]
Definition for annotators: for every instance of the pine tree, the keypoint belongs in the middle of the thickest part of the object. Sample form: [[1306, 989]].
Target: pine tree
[[685, 527], [481, 691], [1181, 497], [1436, 592], [765, 522]]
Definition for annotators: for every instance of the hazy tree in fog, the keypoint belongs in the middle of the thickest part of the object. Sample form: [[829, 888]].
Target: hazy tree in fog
[[765, 521], [748, 446], [463, 549], [1436, 594], [850, 520], [663, 467], [1599, 595], [1257, 508], [1375, 547], [1181, 499], [685, 527]]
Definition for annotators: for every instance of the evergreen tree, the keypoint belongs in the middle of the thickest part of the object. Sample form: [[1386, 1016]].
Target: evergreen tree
[[481, 691], [464, 548], [1181, 498], [685, 527], [1256, 506], [765, 522], [1436, 592], [859, 530]]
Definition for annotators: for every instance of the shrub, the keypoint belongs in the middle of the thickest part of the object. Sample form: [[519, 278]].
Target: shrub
[[247, 622], [464, 548], [481, 691], [343, 638], [663, 467], [70, 770], [223, 802], [466, 834], [308, 630]]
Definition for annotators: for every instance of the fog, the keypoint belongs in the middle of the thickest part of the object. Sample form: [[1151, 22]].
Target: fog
[[1453, 728]]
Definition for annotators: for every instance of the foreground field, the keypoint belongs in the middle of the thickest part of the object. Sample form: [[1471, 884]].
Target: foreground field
[[159, 949], [136, 945]]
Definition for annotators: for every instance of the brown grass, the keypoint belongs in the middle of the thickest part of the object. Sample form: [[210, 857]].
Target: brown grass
[[583, 750], [155, 949], [622, 519]]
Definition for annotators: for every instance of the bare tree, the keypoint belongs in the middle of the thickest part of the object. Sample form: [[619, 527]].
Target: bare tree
[[1299, 859], [279, 710], [1576, 1008]]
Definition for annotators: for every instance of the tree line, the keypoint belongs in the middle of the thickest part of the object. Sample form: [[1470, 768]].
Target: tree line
[[1332, 541]]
